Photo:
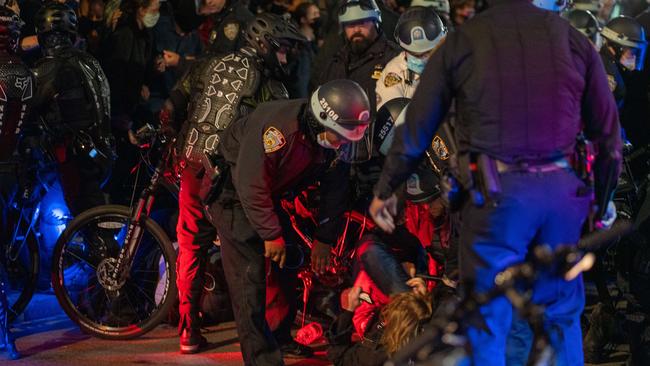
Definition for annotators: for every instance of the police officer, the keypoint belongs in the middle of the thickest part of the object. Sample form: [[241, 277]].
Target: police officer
[[279, 147], [366, 51], [215, 92], [73, 101], [16, 92], [585, 22], [623, 50], [419, 32], [518, 115]]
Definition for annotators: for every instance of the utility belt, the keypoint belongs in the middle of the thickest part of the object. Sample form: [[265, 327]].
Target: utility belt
[[476, 176]]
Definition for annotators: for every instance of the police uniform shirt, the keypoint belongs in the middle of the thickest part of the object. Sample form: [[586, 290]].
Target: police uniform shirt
[[270, 153], [396, 81]]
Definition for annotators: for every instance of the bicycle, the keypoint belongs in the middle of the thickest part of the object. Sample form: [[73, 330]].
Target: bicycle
[[113, 268], [21, 243]]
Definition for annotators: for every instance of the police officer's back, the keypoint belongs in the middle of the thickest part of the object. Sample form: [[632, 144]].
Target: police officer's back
[[526, 83]]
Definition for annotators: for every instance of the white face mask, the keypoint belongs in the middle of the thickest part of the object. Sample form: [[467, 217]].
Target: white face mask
[[150, 20], [322, 140], [628, 62]]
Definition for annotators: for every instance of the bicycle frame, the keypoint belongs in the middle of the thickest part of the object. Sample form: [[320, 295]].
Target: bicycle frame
[[140, 213]]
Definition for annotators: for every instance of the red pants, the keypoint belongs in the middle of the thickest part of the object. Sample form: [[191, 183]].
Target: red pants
[[195, 235]]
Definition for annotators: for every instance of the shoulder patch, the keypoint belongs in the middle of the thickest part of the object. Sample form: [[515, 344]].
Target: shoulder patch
[[612, 82], [440, 148], [231, 30], [391, 79], [273, 140]]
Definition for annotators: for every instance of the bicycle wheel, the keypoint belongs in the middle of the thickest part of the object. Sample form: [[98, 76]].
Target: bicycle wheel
[[21, 262], [86, 253]]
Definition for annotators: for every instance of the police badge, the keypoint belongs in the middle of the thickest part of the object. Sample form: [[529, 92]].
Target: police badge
[[440, 148], [273, 140], [391, 79], [231, 30]]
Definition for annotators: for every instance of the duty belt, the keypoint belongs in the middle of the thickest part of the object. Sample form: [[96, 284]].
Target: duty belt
[[525, 167]]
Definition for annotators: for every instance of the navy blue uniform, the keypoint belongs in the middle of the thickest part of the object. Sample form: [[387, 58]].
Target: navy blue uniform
[[525, 83]]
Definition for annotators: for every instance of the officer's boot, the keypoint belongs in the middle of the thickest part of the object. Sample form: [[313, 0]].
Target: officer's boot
[[601, 331], [639, 341], [5, 335]]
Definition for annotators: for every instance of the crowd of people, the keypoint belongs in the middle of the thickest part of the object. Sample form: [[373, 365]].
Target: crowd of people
[[451, 123]]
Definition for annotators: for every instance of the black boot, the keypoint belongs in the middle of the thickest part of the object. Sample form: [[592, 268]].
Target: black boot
[[602, 330]]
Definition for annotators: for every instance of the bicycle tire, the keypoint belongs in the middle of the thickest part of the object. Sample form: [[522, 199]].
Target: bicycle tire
[[75, 311], [28, 278]]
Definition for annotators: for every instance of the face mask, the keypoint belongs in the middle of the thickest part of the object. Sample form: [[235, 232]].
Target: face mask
[[316, 24], [415, 64], [628, 62], [324, 142], [150, 20]]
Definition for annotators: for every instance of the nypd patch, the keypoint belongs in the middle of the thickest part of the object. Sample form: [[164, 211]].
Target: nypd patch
[[391, 79], [440, 148], [611, 81], [231, 30], [273, 140]]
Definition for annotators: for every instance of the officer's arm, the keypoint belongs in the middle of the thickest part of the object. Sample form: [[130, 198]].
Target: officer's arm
[[602, 127], [253, 178], [426, 111], [335, 200], [179, 97]]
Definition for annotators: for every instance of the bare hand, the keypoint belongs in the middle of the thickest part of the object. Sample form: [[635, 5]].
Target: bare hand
[[114, 18], [144, 93], [384, 212], [350, 298], [276, 251], [417, 285], [171, 58], [320, 257]]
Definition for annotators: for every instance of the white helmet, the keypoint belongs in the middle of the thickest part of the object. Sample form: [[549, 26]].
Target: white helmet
[[440, 6], [356, 10]]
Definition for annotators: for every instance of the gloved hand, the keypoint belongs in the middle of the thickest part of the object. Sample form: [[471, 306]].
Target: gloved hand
[[384, 212], [320, 257], [608, 218]]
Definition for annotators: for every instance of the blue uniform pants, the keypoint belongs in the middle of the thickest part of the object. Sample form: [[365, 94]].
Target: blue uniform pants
[[535, 208]]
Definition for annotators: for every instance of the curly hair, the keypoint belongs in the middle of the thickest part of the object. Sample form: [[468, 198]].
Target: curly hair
[[401, 318]]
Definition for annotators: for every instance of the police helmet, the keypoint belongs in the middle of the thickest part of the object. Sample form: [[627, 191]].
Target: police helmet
[[624, 31], [10, 24], [589, 5], [551, 5], [419, 30], [440, 6], [343, 107], [353, 11], [585, 22], [269, 33], [386, 120], [56, 17]]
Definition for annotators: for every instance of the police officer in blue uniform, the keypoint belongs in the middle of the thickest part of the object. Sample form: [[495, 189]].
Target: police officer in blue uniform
[[280, 147], [518, 114]]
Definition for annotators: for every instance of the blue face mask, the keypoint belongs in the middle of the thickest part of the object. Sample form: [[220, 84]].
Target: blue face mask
[[415, 64]]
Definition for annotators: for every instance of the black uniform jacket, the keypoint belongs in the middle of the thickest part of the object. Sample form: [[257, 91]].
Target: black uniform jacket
[[270, 154]]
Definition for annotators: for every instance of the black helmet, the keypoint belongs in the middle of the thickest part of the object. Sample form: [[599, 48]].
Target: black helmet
[[10, 24], [585, 22], [385, 121], [343, 107], [626, 32], [56, 23], [352, 11], [267, 34], [419, 30]]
